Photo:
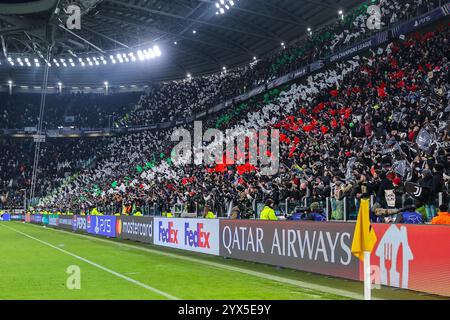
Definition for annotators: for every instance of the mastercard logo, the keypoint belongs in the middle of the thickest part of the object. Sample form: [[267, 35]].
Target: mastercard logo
[[118, 226]]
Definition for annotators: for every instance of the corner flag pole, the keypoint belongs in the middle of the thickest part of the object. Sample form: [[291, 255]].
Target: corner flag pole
[[367, 281], [364, 240]]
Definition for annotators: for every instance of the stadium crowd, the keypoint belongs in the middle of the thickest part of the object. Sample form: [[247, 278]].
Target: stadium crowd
[[183, 98], [369, 126], [81, 110], [373, 125]]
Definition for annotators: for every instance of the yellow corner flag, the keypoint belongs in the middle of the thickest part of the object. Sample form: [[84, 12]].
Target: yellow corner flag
[[364, 237]]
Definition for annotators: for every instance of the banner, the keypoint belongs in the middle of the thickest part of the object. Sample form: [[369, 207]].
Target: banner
[[424, 140], [69, 119], [101, 225], [372, 41], [5, 217], [316, 65], [242, 97], [256, 91], [65, 222], [414, 257], [79, 223], [135, 228], [317, 247], [353, 50], [421, 21], [299, 73], [279, 81], [53, 220], [36, 218], [199, 235], [45, 218], [19, 217]]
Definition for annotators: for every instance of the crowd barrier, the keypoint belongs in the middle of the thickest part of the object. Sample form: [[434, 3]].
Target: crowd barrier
[[414, 257]]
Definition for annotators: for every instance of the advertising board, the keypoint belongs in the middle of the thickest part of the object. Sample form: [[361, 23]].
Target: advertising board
[[101, 225], [318, 247], [200, 235], [65, 222], [414, 257], [135, 228], [79, 223]]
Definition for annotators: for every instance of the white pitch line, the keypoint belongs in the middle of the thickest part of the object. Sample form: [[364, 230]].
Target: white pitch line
[[119, 275], [297, 283], [266, 276]]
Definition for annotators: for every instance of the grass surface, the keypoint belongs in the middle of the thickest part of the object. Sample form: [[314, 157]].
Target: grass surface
[[30, 268]]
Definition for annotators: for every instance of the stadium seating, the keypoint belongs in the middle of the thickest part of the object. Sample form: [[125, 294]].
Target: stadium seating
[[343, 131]]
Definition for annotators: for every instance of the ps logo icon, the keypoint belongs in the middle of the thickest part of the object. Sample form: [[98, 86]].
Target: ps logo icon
[[74, 17]]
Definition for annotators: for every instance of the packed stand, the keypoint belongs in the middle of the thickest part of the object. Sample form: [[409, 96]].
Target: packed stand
[[370, 126], [180, 99], [80, 110]]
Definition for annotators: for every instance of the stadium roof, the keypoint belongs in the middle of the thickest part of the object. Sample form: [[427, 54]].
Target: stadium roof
[[194, 36]]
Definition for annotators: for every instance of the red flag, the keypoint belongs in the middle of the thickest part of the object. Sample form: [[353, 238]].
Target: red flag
[[381, 92], [319, 107], [394, 63], [247, 167], [291, 152], [333, 123], [400, 84], [290, 119], [220, 168], [334, 93], [347, 113]]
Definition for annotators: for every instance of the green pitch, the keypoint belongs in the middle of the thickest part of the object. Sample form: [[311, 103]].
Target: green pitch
[[34, 261]]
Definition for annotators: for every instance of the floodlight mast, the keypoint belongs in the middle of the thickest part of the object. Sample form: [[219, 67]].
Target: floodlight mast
[[39, 126]]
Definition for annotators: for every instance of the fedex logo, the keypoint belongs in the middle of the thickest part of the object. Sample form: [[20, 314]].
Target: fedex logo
[[168, 235], [196, 238]]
